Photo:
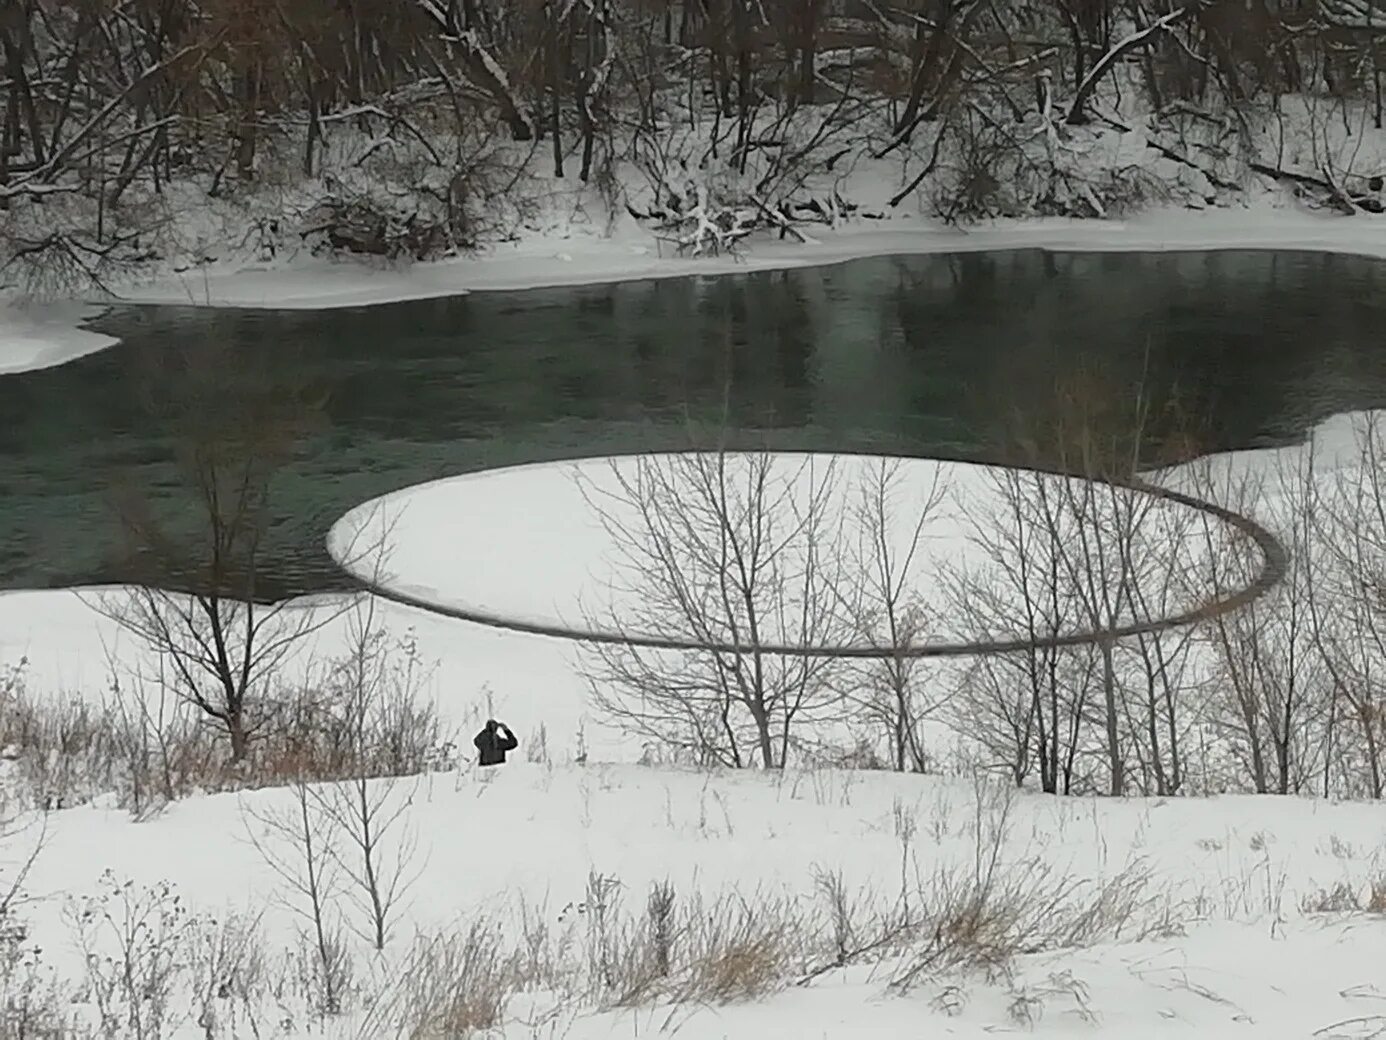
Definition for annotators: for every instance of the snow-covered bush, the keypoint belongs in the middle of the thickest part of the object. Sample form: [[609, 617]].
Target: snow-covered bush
[[994, 166], [706, 182]]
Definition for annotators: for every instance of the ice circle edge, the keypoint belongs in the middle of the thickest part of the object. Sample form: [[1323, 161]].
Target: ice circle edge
[[1274, 564]]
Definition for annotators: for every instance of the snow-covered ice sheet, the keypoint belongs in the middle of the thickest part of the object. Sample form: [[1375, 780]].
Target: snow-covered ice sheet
[[534, 544], [34, 336]]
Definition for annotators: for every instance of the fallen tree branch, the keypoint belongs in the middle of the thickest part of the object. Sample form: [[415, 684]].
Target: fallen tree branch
[[778, 219], [1175, 156], [34, 191], [1340, 200]]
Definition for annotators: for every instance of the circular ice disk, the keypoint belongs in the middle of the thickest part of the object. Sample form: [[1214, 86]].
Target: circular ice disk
[[565, 548]]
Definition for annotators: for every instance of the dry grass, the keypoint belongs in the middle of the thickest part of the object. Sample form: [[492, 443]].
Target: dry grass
[[1347, 898], [451, 987], [149, 749], [746, 950], [1376, 898], [985, 916], [974, 922]]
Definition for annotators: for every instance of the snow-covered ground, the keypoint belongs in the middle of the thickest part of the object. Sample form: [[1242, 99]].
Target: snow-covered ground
[[578, 256], [1211, 895], [1185, 917]]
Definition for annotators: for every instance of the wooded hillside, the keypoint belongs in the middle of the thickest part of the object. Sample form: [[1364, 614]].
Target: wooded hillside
[[416, 127]]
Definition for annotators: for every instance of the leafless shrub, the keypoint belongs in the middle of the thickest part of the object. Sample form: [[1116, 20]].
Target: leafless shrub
[[1271, 689], [366, 223], [228, 975], [132, 940], [605, 942], [296, 842], [998, 165], [65, 748], [34, 1001], [35, 1004], [1341, 898], [164, 749], [374, 846], [1376, 898], [841, 911], [891, 693]]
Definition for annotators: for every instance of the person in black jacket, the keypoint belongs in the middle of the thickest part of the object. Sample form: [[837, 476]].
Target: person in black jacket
[[494, 741]]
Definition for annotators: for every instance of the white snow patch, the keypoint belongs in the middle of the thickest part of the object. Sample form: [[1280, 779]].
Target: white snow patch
[[34, 336]]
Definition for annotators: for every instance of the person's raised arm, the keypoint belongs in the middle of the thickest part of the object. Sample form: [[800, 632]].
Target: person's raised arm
[[509, 743]]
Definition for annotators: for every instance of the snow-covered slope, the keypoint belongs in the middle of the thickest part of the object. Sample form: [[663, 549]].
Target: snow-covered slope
[[1146, 917]]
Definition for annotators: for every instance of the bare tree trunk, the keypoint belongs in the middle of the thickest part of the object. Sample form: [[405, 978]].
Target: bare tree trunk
[[1116, 759]]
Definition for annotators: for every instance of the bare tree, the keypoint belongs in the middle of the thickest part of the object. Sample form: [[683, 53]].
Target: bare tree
[[1029, 709], [375, 848], [296, 842], [1107, 558], [1347, 608], [731, 550], [881, 593], [1270, 687], [1159, 674], [198, 597]]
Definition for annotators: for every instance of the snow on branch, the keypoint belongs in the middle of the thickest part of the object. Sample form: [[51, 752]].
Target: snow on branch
[[1108, 61]]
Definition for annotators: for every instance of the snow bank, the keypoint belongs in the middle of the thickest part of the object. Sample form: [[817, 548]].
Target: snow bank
[[631, 254], [42, 336], [1287, 982], [570, 257]]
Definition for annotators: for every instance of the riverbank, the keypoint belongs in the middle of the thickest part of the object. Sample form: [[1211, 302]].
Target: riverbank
[[43, 336]]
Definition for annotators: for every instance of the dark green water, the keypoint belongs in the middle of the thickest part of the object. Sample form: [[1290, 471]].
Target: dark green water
[[920, 355]]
